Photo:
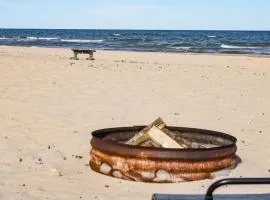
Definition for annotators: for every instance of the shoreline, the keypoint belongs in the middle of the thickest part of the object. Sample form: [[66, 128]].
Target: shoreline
[[154, 52]]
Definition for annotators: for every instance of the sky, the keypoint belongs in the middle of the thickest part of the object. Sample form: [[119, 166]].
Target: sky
[[137, 14]]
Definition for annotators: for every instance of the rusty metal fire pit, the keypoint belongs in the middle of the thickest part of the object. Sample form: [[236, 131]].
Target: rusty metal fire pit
[[111, 157]]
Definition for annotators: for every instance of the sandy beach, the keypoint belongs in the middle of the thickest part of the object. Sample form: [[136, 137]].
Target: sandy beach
[[50, 104]]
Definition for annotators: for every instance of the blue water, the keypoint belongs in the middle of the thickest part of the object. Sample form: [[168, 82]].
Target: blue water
[[237, 42]]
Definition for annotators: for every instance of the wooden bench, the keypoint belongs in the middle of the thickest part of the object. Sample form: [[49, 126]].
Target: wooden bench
[[83, 51]]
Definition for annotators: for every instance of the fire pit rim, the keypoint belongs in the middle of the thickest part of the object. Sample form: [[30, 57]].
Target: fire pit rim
[[115, 148]]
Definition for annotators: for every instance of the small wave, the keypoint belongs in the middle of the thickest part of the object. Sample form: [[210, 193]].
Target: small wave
[[19, 39], [147, 39], [31, 38], [48, 38], [22, 38], [211, 36], [81, 41], [4, 38], [183, 48], [224, 46], [116, 34]]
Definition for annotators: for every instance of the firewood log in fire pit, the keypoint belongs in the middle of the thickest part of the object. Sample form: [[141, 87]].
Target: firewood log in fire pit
[[155, 136], [143, 136]]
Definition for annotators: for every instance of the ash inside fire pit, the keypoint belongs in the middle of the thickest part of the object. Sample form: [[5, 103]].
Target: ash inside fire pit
[[207, 154]]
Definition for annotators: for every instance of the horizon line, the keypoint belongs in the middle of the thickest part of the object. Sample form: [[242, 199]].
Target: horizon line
[[137, 29]]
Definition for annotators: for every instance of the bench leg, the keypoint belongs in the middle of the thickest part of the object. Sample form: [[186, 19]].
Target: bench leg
[[75, 56], [91, 56]]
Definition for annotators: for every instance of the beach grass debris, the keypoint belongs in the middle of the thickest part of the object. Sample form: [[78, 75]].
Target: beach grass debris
[[77, 156]]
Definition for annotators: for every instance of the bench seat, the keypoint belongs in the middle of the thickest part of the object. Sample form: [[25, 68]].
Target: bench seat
[[83, 51]]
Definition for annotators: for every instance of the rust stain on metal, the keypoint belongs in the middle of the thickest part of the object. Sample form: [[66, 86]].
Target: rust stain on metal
[[110, 157], [144, 155]]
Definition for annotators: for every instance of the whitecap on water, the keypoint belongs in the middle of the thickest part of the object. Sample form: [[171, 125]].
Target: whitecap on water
[[31, 38], [183, 48], [48, 38], [81, 41], [4, 38], [224, 46]]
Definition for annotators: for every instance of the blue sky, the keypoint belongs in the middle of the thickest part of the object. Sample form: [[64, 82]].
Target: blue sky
[[136, 14]]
